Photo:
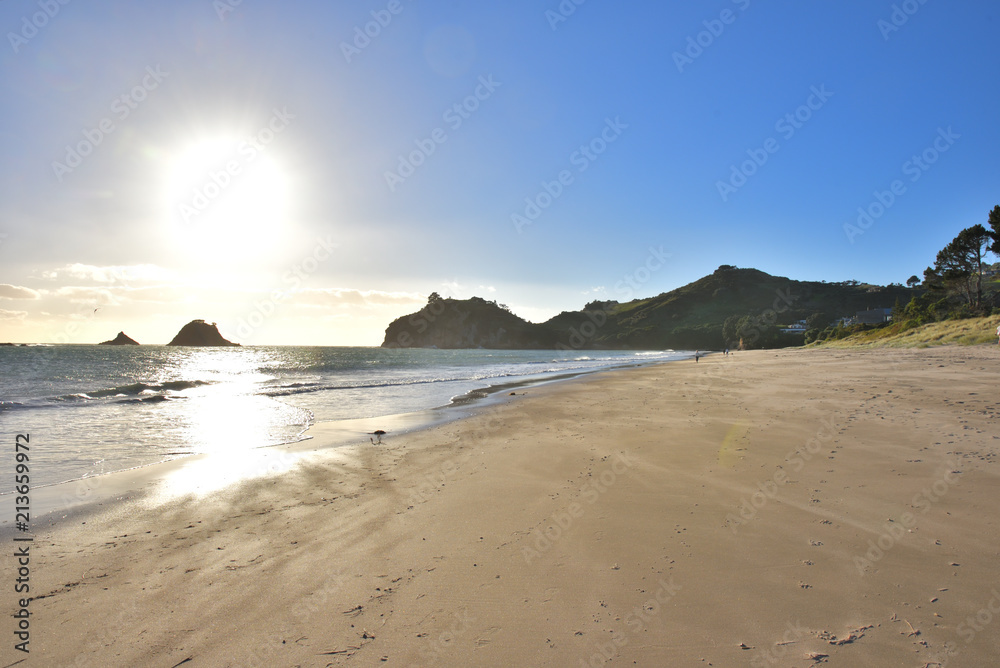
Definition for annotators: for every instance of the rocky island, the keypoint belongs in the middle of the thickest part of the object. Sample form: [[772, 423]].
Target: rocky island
[[121, 340], [200, 333]]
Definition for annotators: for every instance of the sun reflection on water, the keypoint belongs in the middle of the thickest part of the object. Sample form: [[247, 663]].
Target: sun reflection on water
[[228, 421]]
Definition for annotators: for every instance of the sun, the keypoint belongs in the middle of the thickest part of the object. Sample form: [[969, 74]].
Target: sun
[[226, 192]]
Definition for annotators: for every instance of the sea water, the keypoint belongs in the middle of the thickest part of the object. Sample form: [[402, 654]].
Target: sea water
[[98, 409]]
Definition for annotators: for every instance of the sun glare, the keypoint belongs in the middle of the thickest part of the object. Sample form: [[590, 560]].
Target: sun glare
[[226, 192]]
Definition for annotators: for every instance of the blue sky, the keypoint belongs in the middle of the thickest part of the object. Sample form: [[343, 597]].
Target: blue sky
[[243, 178]]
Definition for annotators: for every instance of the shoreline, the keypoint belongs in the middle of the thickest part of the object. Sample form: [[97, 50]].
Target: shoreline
[[717, 513]]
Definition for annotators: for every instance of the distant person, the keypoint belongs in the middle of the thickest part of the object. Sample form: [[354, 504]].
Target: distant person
[[998, 335], [727, 352], [697, 354]]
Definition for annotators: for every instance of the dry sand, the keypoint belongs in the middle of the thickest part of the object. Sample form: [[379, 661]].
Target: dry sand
[[725, 513]]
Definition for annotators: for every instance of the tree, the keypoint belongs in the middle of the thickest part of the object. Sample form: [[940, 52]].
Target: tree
[[913, 281], [960, 264], [819, 320], [733, 328], [994, 222], [434, 297]]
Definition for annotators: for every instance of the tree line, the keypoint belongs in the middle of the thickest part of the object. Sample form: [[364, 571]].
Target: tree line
[[955, 287]]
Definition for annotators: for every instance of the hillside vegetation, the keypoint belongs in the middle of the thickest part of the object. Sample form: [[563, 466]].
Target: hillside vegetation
[[713, 312]]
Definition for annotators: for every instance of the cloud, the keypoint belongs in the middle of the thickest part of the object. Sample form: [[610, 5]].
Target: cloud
[[136, 273], [162, 294], [350, 297], [8, 291], [79, 295], [12, 315]]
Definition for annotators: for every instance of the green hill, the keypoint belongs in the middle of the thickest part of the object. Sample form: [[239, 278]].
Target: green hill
[[690, 317]]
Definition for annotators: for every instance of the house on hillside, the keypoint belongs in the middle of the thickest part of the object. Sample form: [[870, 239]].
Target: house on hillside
[[876, 316], [798, 327]]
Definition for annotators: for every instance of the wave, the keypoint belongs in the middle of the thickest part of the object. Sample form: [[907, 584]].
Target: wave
[[134, 389], [308, 388], [154, 399], [526, 369]]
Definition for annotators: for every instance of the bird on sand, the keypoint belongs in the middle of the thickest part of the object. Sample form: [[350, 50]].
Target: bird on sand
[[378, 432]]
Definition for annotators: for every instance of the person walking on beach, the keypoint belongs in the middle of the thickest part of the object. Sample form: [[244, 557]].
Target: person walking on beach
[[697, 354]]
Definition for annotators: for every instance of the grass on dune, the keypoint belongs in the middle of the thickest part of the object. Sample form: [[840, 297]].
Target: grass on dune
[[969, 332]]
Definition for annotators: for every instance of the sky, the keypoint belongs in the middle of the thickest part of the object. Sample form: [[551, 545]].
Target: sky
[[303, 173]]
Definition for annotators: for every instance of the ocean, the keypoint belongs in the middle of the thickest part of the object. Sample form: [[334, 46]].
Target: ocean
[[93, 410]]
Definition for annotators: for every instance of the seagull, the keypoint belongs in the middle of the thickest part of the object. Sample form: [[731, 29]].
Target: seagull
[[378, 432]]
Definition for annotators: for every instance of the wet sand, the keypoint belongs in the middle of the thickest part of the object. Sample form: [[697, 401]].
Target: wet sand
[[766, 509]]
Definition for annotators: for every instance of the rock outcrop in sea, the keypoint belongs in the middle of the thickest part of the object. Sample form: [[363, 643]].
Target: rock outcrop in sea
[[200, 333], [120, 340]]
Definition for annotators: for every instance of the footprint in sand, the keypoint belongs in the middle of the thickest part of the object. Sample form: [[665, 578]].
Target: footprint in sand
[[483, 641]]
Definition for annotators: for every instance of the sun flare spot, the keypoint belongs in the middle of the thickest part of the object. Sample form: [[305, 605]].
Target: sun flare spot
[[229, 192], [731, 445]]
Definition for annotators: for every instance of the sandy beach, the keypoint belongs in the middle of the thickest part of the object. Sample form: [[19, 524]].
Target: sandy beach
[[766, 509]]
